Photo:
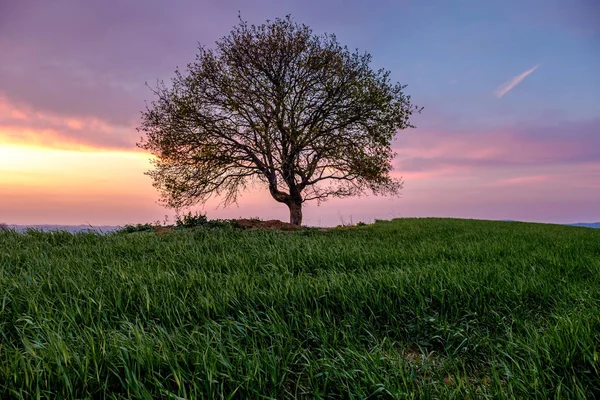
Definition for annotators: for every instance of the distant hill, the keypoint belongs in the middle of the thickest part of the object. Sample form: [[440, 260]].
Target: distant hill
[[588, 225], [595, 225], [68, 228]]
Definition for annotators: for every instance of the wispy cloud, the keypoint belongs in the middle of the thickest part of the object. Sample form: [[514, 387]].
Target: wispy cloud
[[508, 86], [24, 125], [524, 180]]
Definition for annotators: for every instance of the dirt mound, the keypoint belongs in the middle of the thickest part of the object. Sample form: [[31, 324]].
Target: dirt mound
[[251, 224], [270, 224], [162, 229]]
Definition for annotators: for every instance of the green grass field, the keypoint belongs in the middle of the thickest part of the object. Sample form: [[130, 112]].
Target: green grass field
[[411, 308]]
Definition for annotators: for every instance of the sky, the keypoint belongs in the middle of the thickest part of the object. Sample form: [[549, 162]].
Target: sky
[[510, 127]]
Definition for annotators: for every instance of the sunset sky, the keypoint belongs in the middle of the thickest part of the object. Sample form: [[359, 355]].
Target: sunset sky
[[510, 89]]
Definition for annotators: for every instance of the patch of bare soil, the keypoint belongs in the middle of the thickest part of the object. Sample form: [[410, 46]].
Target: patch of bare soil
[[161, 229], [270, 224]]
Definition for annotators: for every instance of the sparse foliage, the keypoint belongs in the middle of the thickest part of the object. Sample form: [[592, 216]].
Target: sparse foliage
[[276, 105], [190, 220], [147, 227]]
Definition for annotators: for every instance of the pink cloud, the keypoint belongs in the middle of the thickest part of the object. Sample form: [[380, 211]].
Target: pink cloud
[[25, 125], [524, 180], [568, 142]]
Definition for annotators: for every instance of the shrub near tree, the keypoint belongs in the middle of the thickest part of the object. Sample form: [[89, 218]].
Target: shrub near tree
[[279, 106]]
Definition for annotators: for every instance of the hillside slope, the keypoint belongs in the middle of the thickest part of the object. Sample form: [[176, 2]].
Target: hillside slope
[[426, 307]]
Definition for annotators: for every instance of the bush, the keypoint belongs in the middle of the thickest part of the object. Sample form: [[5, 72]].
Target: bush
[[182, 222], [190, 220], [136, 228]]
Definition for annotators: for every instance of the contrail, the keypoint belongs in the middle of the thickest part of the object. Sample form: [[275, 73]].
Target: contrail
[[502, 90]]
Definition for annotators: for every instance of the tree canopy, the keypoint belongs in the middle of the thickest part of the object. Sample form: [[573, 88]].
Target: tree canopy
[[280, 106]]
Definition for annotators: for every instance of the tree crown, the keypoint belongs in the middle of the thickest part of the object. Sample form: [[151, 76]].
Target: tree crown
[[278, 105]]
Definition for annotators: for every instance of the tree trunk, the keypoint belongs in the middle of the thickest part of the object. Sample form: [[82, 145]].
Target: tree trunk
[[295, 213]]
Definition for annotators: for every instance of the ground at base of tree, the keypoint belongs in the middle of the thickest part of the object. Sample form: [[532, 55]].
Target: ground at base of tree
[[245, 223], [269, 224]]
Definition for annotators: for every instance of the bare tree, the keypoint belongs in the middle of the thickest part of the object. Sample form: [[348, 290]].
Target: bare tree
[[278, 105]]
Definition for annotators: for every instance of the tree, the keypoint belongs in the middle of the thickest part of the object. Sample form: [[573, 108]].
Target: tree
[[278, 105]]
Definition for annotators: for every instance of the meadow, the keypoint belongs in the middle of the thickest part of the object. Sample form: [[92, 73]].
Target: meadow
[[409, 308]]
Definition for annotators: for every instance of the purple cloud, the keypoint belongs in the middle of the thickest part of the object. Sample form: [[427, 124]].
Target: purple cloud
[[92, 59], [527, 144]]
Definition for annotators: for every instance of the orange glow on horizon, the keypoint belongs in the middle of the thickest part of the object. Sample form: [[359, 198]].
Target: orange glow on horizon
[[38, 167], [35, 178]]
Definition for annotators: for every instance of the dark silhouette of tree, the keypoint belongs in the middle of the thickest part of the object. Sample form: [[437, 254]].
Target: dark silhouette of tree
[[278, 105]]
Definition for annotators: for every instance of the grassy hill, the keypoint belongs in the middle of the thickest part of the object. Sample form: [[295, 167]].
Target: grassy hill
[[411, 308]]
